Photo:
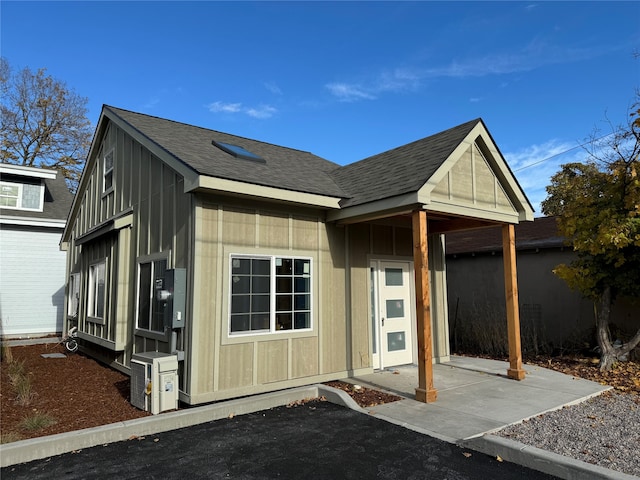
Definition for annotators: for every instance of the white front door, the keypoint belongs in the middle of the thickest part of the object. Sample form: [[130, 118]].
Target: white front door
[[391, 313]]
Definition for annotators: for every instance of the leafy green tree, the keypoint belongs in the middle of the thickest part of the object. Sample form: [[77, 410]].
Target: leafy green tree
[[43, 123], [597, 204]]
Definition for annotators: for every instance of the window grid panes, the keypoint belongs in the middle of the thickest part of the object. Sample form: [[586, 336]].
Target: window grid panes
[[108, 171], [270, 294], [73, 302], [20, 196], [151, 303], [97, 290]]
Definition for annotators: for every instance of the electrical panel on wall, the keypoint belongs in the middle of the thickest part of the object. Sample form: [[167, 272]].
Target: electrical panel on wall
[[175, 286]]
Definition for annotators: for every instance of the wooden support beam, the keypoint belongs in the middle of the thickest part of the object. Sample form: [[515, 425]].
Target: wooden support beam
[[425, 391], [515, 370]]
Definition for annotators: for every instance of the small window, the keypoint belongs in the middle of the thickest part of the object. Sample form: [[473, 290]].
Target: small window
[[22, 196], [108, 171], [238, 151], [73, 301], [270, 294], [97, 274], [151, 303]]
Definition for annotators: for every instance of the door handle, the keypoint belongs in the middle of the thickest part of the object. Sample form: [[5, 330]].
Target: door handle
[[383, 321]]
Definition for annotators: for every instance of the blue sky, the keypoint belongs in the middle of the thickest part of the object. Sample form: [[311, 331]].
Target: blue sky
[[348, 80]]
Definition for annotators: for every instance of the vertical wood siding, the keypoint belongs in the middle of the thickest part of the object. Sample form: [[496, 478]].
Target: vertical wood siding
[[219, 369], [160, 222]]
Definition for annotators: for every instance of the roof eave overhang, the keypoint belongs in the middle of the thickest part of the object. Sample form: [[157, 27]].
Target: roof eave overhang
[[386, 207], [203, 183], [28, 171], [33, 221], [411, 202]]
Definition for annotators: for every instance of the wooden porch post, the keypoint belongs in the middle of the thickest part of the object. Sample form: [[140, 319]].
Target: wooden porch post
[[515, 370], [425, 391]]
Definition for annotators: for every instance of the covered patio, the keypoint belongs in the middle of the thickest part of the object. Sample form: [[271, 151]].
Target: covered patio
[[453, 181]]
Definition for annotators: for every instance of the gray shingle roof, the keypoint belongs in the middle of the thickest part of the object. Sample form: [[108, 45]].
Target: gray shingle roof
[[401, 170], [57, 201], [398, 171], [541, 233], [285, 168]]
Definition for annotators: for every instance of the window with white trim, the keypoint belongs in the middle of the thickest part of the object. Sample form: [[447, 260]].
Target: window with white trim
[[108, 171], [97, 280], [22, 196], [269, 294], [73, 301], [151, 303]]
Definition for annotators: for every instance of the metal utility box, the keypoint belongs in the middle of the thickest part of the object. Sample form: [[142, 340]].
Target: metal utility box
[[175, 286], [154, 381]]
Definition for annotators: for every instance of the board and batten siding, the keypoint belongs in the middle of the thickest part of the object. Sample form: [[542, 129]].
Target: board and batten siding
[[32, 278], [472, 182], [224, 366], [149, 214]]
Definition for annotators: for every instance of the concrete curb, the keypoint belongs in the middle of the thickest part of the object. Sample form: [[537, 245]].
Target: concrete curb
[[45, 447], [541, 460], [515, 452]]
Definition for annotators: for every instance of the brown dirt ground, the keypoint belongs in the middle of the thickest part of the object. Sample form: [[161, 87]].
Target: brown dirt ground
[[79, 392]]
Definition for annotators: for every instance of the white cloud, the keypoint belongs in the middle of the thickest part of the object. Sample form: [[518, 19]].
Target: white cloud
[[225, 107], [261, 112], [400, 79], [273, 88], [536, 54], [264, 111], [534, 166], [349, 93]]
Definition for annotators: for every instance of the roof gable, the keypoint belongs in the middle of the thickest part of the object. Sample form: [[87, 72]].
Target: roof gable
[[459, 171], [400, 170], [475, 180]]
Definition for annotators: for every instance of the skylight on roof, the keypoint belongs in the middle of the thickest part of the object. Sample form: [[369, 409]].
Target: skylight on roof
[[238, 152]]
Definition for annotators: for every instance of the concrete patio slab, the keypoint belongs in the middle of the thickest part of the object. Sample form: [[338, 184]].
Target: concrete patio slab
[[475, 396]]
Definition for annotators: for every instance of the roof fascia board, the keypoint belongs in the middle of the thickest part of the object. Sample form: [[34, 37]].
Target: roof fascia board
[[507, 175], [181, 168], [375, 209], [474, 212], [28, 171], [224, 186], [86, 173], [32, 222], [444, 168]]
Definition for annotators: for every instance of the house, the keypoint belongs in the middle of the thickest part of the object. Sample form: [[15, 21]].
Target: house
[[34, 204], [553, 317], [263, 267]]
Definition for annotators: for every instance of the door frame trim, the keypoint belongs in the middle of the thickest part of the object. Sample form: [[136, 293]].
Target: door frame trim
[[412, 297]]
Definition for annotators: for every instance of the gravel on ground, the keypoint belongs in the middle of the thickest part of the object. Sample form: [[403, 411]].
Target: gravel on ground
[[603, 431]]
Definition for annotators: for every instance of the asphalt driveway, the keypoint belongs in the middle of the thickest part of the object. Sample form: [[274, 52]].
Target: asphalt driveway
[[317, 440]]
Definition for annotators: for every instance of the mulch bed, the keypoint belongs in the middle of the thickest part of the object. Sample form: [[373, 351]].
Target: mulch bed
[[77, 391]]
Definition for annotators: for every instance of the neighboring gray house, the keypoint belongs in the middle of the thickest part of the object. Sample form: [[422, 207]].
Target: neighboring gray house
[[550, 312], [34, 204]]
